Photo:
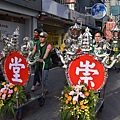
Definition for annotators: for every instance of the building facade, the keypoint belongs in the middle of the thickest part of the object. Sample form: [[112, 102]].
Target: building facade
[[53, 16]]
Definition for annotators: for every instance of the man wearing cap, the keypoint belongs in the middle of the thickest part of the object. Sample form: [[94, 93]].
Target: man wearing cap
[[45, 49], [36, 41]]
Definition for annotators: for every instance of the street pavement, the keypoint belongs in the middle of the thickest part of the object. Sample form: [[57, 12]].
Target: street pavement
[[57, 80], [111, 110], [50, 110]]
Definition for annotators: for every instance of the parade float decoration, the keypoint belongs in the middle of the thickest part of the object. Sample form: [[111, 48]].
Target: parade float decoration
[[87, 64], [78, 102], [16, 67], [8, 100], [13, 65], [111, 32]]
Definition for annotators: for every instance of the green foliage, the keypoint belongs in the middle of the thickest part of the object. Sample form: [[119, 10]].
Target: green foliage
[[8, 98], [78, 103]]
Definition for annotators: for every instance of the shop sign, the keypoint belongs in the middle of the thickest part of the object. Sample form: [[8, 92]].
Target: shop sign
[[88, 70], [16, 68], [115, 10]]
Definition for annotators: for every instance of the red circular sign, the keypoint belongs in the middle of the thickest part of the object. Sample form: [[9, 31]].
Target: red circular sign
[[16, 68], [88, 70]]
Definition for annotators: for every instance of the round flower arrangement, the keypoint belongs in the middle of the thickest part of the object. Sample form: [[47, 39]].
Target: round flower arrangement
[[8, 98], [78, 103]]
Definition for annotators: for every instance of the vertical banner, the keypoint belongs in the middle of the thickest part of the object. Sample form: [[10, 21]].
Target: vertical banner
[[109, 27]]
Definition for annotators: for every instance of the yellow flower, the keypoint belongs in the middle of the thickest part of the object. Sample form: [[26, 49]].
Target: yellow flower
[[66, 95], [3, 83], [9, 95], [0, 93], [81, 102], [82, 107], [1, 103], [86, 101], [5, 91], [86, 94], [74, 102], [85, 88], [69, 98], [11, 85], [66, 101], [15, 89]]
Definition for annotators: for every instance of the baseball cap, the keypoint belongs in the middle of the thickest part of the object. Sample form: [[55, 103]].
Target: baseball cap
[[43, 34]]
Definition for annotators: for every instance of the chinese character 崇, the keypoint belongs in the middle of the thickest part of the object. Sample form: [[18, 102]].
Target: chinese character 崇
[[86, 70]]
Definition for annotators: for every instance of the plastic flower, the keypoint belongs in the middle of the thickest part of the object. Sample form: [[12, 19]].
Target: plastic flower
[[82, 95], [86, 93], [79, 102], [85, 88], [15, 89], [5, 91], [75, 98], [69, 98], [3, 83], [11, 85], [10, 91], [3, 96], [66, 95], [66, 101], [6, 86], [2, 90], [74, 102], [71, 93], [9, 95], [0, 94], [82, 107]]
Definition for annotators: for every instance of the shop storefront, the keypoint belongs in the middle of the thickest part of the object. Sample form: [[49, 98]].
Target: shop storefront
[[54, 21], [9, 23], [14, 14]]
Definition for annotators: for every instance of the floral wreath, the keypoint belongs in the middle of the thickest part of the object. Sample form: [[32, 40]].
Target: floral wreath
[[78, 102]]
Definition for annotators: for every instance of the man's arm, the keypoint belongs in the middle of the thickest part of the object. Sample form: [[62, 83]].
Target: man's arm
[[33, 51]]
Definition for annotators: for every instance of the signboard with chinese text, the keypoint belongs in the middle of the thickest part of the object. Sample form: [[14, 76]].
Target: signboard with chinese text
[[109, 27], [88, 70], [115, 10], [16, 68]]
